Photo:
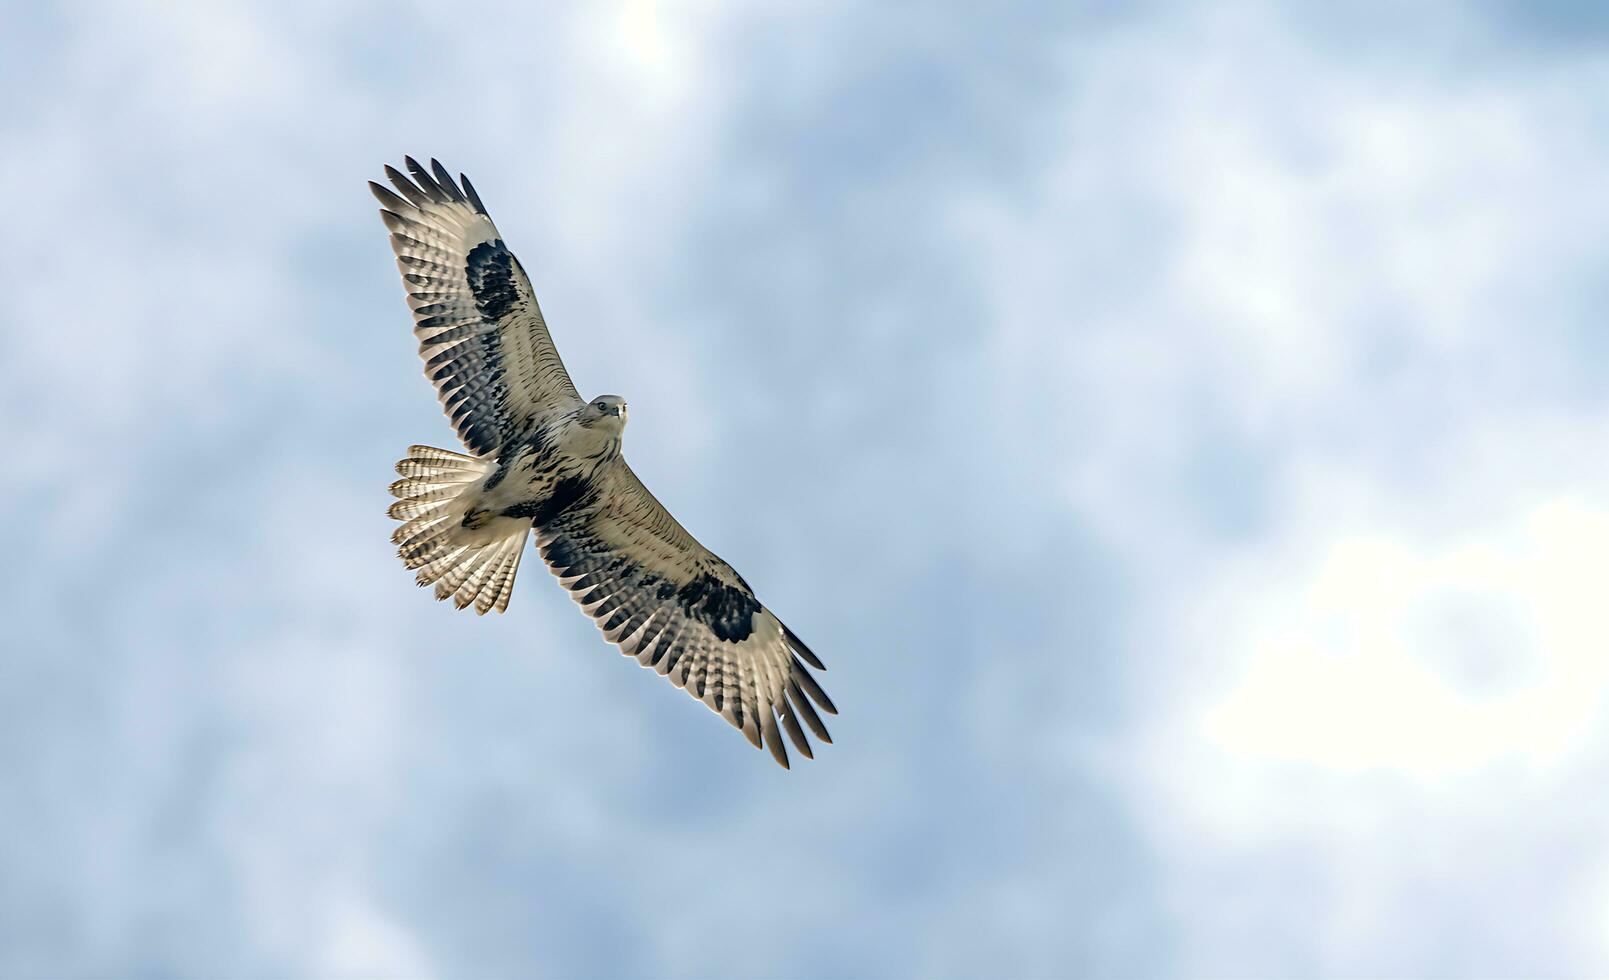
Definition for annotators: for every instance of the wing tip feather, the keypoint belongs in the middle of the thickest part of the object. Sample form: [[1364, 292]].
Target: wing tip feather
[[801, 706], [445, 180], [773, 740], [802, 677], [426, 182], [799, 647], [790, 724], [474, 198]]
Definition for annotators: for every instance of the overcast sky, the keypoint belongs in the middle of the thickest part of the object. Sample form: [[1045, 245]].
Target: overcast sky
[[1180, 428]]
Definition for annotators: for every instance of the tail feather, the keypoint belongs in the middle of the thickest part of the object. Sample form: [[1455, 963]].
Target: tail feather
[[469, 566], [444, 458], [433, 570], [417, 529], [501, 585], [433, 472], [471, 581], [463, 572]]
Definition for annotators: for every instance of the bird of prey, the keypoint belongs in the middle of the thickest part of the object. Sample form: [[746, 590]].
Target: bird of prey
[[543, 459]]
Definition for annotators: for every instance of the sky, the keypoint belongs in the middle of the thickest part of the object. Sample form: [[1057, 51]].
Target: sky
[[1180, 429]]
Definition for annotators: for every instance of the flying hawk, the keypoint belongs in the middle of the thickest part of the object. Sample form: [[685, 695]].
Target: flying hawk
[[545, 460]]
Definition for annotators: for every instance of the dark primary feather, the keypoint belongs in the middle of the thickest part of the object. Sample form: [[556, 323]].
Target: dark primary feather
[[474, 198], [422, 177]]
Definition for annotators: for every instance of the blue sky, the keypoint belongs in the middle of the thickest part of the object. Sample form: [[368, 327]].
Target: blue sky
[[1179, 428]]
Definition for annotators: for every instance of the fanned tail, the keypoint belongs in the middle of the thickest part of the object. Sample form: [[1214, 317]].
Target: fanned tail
[[466, 564]]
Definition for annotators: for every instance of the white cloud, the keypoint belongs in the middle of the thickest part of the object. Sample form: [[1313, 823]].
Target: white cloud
[[1423, 663], [1370, 710], [1356, 282], [191, 179], [1237, 224], [1416, 705]]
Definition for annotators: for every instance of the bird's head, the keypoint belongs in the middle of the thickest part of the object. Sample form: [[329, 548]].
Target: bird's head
[[605, 412]]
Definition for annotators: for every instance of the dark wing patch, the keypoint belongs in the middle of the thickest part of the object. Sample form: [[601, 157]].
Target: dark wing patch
[[490, 267], [481, 333], [728, 610], [664, 599]]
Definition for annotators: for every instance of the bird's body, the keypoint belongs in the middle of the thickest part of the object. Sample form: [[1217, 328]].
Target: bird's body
[[533, 474], [543, 460], [523, 482]]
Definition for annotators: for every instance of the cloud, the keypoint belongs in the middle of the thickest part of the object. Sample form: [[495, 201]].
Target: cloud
[[216, 661], [1314, 328], [1401, 710], [1124, 402]]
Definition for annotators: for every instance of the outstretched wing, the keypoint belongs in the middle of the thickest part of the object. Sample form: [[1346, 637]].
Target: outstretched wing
[[485, 345], [666, 600]]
